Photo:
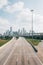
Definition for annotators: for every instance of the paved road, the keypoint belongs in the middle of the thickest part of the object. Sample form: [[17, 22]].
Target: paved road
[[22, 54], [5, 50], [40, 51]]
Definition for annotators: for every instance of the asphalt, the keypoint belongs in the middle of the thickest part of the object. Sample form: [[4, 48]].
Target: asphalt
[[40, 51], [19, 53], [5, 50]]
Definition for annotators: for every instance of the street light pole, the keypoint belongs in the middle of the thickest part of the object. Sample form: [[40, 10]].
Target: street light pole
[[32, 24]]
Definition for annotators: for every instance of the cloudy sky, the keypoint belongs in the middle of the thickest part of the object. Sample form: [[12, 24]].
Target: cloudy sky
[[17, 13]]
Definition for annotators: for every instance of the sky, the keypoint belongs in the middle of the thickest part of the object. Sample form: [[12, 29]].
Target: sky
[[17, 13]]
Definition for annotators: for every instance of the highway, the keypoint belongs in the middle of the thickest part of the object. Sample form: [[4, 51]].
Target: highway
[[22, 53], [5, 50]]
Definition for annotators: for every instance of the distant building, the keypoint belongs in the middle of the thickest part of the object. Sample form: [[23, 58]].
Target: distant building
[[30, 33], [15, 34], [0, 35], [10, 29], [7, 33], [23, 31], [11, 32], [18, 31]]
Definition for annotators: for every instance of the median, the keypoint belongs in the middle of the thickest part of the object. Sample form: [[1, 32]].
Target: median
[[35, 42]]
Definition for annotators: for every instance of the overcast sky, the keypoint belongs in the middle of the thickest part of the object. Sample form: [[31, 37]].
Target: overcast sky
[[17, 13]]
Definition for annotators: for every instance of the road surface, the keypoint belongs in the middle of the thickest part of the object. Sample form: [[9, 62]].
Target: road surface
[[40, 51], [5, 50], [22, 54]]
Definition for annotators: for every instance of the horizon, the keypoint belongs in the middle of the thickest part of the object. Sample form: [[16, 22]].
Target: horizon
[[21, 30]]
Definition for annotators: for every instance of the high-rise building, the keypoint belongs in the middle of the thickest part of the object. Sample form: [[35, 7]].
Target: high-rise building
[[7, 33], [10, 29], [19, 31], [23, 31]]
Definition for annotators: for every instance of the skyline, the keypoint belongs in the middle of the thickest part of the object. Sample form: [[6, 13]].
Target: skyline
[[17, 14]]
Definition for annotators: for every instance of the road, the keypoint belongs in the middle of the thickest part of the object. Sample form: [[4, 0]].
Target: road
[[40, 51], [22, 54], [5, 50]]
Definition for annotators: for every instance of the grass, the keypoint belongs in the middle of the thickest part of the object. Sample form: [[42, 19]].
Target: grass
[[35, 42], [2, 41]]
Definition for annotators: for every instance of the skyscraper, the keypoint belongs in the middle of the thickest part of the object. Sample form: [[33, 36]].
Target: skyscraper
[[11, 32], [10, 29]]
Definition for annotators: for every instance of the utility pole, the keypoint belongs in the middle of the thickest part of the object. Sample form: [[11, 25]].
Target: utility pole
[[32, 23]]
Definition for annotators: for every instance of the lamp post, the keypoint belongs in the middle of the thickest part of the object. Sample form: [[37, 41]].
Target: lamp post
[[32, 23]]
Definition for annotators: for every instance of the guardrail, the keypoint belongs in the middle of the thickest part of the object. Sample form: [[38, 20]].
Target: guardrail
[[33, 47]]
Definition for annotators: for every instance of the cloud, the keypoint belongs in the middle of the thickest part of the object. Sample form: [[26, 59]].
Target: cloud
[[38, 23], [3, 3], [4, 25], [24, 17], [15, 7]]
